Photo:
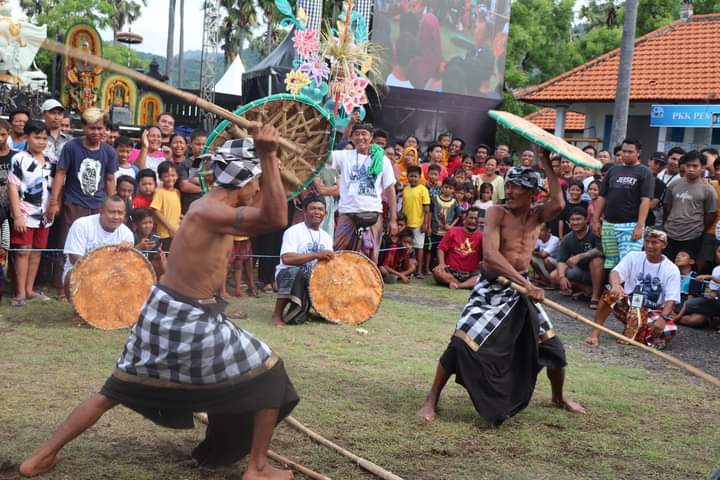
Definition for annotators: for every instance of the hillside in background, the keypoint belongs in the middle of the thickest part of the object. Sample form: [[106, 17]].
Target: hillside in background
[[250, 58]]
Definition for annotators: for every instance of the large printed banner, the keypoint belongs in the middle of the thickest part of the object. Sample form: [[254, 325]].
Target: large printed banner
[[452, 46]]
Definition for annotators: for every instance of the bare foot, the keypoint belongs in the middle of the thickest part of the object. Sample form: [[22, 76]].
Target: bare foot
[[40, 462], [569, 405], [427, 412], [239, 294], [224, 295], [592, 341], [454, 285], [268, 472], [277, 321]]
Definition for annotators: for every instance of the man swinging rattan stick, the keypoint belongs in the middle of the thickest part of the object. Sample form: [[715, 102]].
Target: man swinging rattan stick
[[183, 355], [503, 339]]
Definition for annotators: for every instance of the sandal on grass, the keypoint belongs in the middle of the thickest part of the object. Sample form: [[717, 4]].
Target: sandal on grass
[[18, 302], [593, 304], [38, 296]]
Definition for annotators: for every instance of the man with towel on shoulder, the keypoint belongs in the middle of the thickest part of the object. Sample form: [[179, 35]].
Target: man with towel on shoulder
[[183, 355]]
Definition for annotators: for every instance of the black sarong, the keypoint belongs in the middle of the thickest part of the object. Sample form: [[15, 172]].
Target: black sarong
[[501, 375], [230, 408]]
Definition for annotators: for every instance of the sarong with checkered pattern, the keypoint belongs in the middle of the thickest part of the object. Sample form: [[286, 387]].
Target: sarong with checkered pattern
[[186, 343]]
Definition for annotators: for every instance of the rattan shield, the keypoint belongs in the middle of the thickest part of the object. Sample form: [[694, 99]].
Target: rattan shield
[[108, 287], [347, 289], [300, 120], [547, 140]]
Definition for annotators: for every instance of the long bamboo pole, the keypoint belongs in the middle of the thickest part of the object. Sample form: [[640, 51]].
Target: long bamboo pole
[[203, 418], [221, 112], [574, 315], [366, 464]]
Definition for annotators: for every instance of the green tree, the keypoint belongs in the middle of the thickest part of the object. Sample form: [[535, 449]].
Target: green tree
[[122, 55], [60, 15], [240, 19], [126, 12], [268, 8]]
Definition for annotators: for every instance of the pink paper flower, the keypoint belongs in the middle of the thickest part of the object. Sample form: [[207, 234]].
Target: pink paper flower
[[316, 68], [306, 42]]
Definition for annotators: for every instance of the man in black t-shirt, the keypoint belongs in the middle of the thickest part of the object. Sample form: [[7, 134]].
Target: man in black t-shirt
[[579, 260], [625, 195], [189, 184]]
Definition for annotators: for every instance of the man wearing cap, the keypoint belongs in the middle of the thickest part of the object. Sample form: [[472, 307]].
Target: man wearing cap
[[503, 338], [53, 113], [364, 173], [183, 355], [643, 290]]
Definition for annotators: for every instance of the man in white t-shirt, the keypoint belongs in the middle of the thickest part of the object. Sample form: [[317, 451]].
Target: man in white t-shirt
[[645, 282], [104, 228], [303, 245], [542, 259], [363, 175]]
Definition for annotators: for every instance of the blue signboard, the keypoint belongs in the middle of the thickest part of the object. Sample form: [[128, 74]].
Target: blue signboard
[[698, 116]]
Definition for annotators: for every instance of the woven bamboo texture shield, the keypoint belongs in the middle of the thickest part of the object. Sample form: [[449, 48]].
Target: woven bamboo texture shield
[[547, 140], [108, 287], [347, 289], [300, 120]]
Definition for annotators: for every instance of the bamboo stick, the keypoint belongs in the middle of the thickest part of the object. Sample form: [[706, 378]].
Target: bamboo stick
[[574, 315]]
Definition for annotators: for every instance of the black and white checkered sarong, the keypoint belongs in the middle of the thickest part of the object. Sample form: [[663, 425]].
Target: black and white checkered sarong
[[186, 344], [489, 305]]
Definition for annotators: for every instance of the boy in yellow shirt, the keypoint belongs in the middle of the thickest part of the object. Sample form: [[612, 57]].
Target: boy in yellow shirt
[[166, 205], [416, 208]]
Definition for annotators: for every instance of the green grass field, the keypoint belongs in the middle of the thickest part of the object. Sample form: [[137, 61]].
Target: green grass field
[[361, 391]]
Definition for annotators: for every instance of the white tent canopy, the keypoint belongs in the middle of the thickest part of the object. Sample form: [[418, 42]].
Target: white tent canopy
[[231, 81]]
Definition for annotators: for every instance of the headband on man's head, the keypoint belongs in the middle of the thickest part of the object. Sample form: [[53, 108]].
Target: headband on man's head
[[235, 164], [525, 177]]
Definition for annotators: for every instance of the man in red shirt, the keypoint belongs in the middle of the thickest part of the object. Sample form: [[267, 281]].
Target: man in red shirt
[[460, 254], [455, 153]]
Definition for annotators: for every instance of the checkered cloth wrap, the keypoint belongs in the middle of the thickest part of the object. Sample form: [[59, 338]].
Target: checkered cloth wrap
[[489, 305], [182, 343], [235, 164]]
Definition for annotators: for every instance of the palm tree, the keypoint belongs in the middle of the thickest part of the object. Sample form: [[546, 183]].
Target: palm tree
[[240, 19], [268, 8], [622, 93], [125, 12], [170, 38], [181, 69]]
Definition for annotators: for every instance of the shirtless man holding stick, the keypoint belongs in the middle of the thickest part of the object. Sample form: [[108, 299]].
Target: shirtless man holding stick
[[183, 355], [503, 339]]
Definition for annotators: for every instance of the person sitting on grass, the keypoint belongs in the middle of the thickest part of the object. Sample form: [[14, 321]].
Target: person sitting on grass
[[579, 259], [303, 245], [542, 260], [645, 281], [29, 182], [704, 310], [686, 264], [460, 254], [397, 263], [147, 241]]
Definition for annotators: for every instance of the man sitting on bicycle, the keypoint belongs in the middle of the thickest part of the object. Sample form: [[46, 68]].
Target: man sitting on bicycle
[[364, 174]]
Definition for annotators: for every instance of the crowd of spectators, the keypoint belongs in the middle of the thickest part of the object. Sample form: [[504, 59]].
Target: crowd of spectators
[[417, 210]]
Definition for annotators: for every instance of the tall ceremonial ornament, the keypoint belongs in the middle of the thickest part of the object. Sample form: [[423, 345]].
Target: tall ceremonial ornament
[[19, 43]]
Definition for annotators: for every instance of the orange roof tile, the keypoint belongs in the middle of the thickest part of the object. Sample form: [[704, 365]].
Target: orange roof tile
[[545, 119], [677, 62]]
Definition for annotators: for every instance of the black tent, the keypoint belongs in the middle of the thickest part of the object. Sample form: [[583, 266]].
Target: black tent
[[268, 76]]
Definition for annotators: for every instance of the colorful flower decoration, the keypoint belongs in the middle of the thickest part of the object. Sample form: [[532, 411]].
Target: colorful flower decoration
[[316, 68], [306, 42], [295, 81]]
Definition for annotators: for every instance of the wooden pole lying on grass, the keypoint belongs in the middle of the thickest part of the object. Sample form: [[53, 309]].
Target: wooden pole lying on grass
[[669, 358], [221, 112], [365, 464], [203, 418]]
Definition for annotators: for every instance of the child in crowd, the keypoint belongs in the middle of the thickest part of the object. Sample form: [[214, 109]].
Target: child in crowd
[[686, 264], [125, 188], [240, 261], [469, 189], [593, 192], [445, 213], [29, 181], [483, 202], [704, 310], [166, 204], [460, 176], [123, 149], [434, 184], [146, 185], [146, 240], [416, 208], [574, 192], [397, 263], [388, 240]]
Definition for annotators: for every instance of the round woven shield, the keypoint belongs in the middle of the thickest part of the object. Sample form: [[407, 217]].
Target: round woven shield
[[347, 289], [108, 287], [547, 140], [298, 119]]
